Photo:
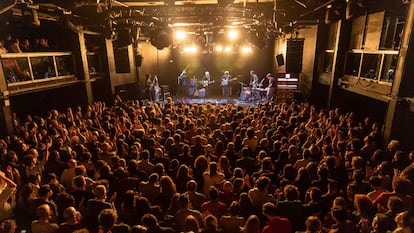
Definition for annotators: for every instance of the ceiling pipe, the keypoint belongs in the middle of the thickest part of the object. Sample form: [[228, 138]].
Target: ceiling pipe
[[7, 8]]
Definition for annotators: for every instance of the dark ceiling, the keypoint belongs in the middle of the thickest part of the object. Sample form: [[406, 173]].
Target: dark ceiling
[[262, 17]]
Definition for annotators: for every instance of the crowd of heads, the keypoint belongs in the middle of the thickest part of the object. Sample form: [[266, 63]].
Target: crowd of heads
[[176, 167], [13, 44]]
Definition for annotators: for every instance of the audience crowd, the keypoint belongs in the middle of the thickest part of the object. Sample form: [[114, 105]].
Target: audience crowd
[[175, 167]]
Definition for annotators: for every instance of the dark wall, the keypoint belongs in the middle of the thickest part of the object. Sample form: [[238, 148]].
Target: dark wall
[[39, 103], [361, 105]]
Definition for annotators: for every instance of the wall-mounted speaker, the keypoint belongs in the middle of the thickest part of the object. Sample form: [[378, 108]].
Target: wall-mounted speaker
[[280, 60], [138, 60]]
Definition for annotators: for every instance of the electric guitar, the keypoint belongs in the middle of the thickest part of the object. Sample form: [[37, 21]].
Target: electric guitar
[[226, 82], [205, 83]]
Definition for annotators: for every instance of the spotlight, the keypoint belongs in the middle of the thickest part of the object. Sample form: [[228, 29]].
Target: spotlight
[[219, 48], [246, 49], [190, 49], [233, 34], [228, 49], [180, 35]]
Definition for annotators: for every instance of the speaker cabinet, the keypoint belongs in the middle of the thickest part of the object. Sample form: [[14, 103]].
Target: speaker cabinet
[[294, 54], [280, 60]]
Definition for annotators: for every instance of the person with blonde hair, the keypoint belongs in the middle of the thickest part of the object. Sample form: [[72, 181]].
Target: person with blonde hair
[[252, 225], [403, 223], [313, 225]]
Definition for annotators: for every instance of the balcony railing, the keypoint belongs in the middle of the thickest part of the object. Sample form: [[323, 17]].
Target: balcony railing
[[30, 68]]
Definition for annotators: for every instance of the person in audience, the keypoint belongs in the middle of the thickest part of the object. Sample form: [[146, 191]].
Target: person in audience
[[95, 206], [176, 138], [196, 198], [342, 224], [276, 223], [2, 47], [25, 46], [108, 222], [232, 222], [152, 225], [259, 195], [403, 223], [192, 225], [210, 224], [43, 225], [185, 211], [313, 225], [73, 221], [212, 177], [252, 225], [214, 206], [8, 189]]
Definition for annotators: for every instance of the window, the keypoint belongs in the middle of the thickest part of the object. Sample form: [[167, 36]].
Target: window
[[388, 67], [370, 66], [352, 64]]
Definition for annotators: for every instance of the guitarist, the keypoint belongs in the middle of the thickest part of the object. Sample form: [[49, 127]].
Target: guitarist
[[206, 81], [183, 82], [225, 84]]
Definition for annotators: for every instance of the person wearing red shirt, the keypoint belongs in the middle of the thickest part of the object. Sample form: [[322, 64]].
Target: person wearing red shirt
[[276, 223], [214, 206]]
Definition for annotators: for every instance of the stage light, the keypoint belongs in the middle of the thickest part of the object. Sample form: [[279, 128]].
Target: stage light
[[233, 34], [190, 49], [219, 48], [228, 49], [246, 49], [180, 35]]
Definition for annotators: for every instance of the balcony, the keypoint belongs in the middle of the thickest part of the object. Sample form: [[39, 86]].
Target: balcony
[[28, 72]]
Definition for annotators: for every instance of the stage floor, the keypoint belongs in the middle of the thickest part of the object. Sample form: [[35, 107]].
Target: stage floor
[[221, 101]]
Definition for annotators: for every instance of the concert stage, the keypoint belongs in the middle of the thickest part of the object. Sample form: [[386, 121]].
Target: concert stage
[[215, 101]]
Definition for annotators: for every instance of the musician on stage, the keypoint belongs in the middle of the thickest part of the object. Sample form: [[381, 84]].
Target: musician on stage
[[183, 84], [206, 80], [225, 84], [254, 84], [271, 88], [150, 87]]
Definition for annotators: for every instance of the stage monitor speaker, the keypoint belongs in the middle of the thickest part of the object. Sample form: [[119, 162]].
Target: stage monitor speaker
[[294, 54], [280, 61]]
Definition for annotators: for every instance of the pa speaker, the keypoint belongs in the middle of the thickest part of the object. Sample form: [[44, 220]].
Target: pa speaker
[[138, 60], [294, 54], [280, 61], [124, 38]]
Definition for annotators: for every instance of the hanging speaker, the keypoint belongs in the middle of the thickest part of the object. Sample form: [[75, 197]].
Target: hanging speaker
[[280, 61]]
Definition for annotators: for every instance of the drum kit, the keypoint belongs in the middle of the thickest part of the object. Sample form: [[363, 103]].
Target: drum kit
[[252, 94]]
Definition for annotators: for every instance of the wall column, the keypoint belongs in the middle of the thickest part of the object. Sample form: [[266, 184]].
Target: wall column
[[6, 118], [85, 67], [398, 119]]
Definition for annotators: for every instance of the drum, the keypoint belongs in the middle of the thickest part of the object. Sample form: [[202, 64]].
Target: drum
[[202, 93], [191, 91], [245, 94]]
